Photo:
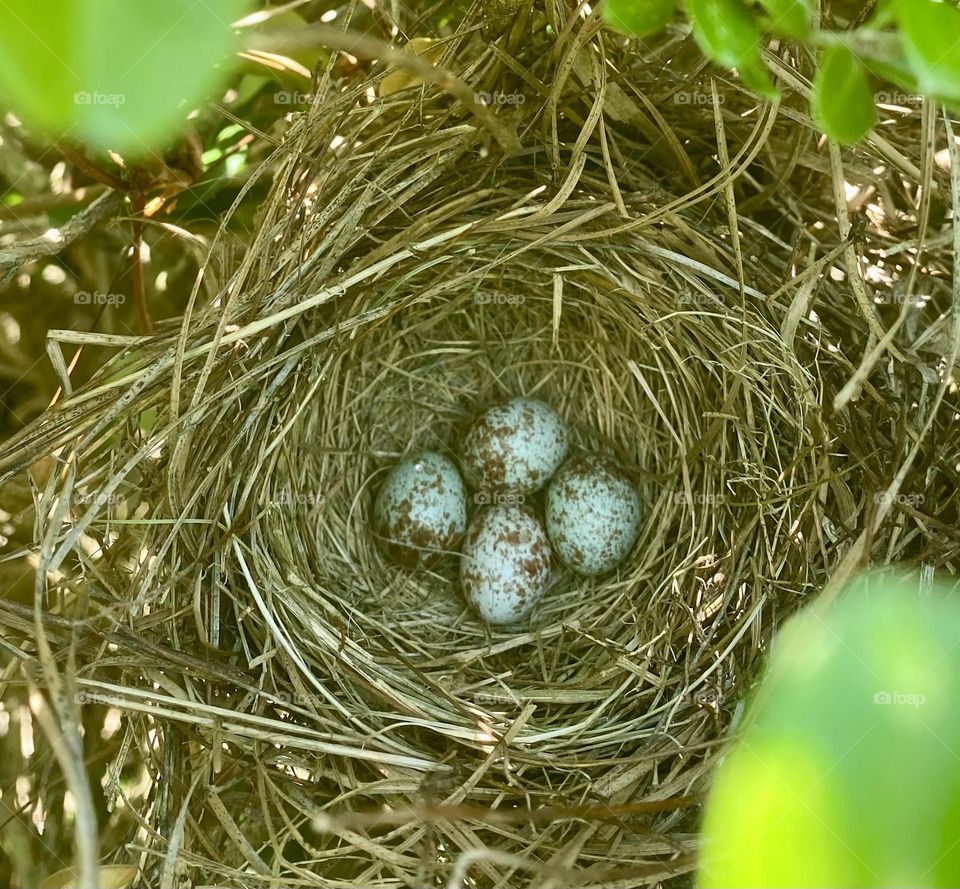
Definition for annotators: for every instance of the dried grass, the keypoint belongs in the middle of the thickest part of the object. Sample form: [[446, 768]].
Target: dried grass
[[310, 715]]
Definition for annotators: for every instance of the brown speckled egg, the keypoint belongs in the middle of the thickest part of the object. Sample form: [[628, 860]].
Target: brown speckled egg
[[421, 511], [505, 566], [593, 515], [514, 447]]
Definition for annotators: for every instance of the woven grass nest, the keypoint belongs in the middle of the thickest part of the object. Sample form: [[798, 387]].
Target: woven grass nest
[[309, 714]]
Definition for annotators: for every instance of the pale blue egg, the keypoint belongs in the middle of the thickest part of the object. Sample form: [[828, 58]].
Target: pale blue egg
[[593, 515], [421, 510], [505, 566], [514, 447]]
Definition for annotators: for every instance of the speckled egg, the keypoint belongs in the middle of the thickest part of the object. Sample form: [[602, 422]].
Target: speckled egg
[[515, 446], [421, 511], [593, 515], [505, 566]]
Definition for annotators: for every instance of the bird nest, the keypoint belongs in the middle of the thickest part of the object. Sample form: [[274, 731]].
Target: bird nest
[[312, 714]]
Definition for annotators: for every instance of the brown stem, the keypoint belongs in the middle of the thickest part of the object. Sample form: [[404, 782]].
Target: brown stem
[[85, 165], [14, 256], [139, 292], [37, 206]]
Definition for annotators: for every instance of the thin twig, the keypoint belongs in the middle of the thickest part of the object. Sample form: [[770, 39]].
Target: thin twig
[[14, 256], [367, 47]]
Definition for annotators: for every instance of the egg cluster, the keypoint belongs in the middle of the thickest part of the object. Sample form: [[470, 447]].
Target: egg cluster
[[591, 514]]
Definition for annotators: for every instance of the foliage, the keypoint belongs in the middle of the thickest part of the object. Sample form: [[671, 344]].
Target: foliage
[[120, 79], [847, 771], [911, 43], [842, 98], [641, 18]]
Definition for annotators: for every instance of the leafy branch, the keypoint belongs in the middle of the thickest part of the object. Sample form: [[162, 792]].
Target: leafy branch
[[913, 44]]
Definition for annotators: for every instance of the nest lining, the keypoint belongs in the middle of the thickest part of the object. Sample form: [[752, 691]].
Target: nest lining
[[413, 383]]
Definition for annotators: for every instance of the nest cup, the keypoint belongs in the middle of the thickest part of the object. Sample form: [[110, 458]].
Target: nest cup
[[612, 679], [632, 382], [366, 727], [608, 695]]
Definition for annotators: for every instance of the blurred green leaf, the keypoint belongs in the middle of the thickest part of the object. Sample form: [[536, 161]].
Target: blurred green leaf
[[931, 40], [638, 17], [60, 216], [235, 163], [897, 72], [120, 75], [248, 88], [790, 17], [755, 75], [229, 132], [883, 14], [289, 21], [847, 771], [727, 32], [843, 103]]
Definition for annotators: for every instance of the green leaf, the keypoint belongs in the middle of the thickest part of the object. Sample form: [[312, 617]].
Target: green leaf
[[638, 17], [755, 75], [843, 103], [248, 88], [118, 74], [896, 71], [727, 32], [931, 39], [790, 17], [846, 771], [883, 14], [286, 23]]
